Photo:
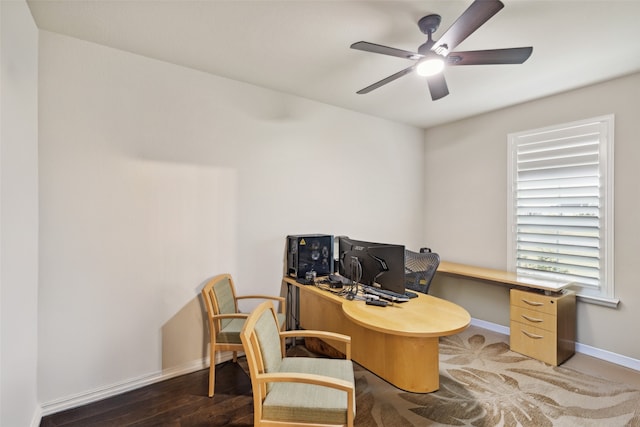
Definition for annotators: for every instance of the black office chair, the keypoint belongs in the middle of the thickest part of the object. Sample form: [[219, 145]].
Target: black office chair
[[419, 269]]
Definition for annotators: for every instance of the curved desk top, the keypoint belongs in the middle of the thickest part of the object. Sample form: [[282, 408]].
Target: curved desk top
[[424, 316]]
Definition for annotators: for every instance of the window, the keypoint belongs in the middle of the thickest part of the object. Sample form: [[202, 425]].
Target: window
[[560, 205]]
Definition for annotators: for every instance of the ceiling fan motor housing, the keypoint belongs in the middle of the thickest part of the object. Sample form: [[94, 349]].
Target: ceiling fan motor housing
[[429, 24]]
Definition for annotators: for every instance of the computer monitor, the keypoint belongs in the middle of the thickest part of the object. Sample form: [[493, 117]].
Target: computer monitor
[[370, 263]]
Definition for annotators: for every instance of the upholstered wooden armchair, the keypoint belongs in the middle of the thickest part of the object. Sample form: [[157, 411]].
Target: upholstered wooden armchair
[[226, 321], [296, 391]]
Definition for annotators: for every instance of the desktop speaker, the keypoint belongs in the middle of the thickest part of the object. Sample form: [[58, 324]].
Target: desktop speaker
[[309, 252]]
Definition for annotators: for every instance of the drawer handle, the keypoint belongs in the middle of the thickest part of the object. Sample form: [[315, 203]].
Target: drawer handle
[[532, 319], [534, 336], [535, 303]]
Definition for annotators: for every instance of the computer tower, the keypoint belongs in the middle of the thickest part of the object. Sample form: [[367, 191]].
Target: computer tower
[[309, 252]]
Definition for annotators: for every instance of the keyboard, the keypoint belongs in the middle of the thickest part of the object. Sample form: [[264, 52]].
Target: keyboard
[[382, 293]]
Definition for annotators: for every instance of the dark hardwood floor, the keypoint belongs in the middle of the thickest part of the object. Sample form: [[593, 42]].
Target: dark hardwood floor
[[180, 401]]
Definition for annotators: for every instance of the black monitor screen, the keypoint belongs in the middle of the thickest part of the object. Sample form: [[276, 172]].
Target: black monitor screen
[[373, 264]]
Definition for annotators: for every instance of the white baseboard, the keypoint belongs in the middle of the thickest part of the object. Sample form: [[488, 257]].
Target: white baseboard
[[91, 396], [37, 417], [608, 356], [504, 330], [95, 395]]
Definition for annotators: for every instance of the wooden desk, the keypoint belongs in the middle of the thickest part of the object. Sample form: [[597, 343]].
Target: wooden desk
[[399, 343], [501, 277], [541, 326]]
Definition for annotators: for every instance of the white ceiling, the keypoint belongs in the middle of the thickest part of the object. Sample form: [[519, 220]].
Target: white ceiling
[[301, 47]]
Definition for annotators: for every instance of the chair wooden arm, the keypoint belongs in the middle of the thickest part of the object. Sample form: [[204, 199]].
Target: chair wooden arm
[[266, 297], [316, 334], [298, 377], [231, 316], [323, 335], [260, 296]]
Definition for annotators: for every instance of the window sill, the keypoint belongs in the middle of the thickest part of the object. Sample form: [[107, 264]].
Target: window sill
[[603, 301]]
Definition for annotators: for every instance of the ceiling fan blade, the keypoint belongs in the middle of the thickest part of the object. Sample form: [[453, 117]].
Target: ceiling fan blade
[[386, 80], [471, 19], [516, 55], [437, 86], [385, 50]]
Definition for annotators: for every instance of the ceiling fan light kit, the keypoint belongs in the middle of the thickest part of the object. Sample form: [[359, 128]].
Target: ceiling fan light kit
[[430, 66], [432, 56]]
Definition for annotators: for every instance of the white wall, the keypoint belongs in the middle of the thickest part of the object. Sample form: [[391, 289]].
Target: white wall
[[466, 166], [155, 177], [18, 215]]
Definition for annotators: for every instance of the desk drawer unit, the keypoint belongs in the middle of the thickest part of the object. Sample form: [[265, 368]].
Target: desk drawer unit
[[543, 326]]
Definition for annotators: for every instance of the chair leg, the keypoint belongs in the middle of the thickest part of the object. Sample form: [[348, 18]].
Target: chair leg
[[212, 371], [235, 357]]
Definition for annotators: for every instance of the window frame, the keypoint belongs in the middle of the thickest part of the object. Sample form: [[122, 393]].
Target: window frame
[[604, 294]]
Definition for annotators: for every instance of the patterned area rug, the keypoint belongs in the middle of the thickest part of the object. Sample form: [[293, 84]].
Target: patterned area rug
[[484, 383]]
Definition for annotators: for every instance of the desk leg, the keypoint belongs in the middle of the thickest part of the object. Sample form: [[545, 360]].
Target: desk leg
[[293, 307], [412, 364]]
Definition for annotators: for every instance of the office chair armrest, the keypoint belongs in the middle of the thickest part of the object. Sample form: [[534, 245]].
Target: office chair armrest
[[323, 335]]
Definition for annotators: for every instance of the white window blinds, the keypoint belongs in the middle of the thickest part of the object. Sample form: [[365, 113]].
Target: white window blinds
[[559, 204]]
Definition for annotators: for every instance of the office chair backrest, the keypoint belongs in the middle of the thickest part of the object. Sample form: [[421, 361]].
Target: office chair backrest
[[420, 267]]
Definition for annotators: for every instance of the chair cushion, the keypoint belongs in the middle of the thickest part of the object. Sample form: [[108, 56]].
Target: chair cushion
[[230, 333], [307, 402]]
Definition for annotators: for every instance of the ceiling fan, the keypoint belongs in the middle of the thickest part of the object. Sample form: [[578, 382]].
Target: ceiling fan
[[432, 56]]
